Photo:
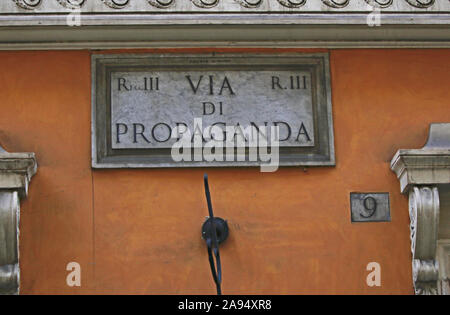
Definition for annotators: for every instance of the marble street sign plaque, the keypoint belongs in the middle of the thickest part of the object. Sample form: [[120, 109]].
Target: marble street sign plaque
[[139, 100]]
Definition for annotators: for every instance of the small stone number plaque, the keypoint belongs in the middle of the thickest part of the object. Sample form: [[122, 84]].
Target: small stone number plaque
[[138, 100], [370, 207]]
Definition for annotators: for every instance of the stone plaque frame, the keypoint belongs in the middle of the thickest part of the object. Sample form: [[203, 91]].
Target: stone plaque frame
[[104, 156], [380, 213]]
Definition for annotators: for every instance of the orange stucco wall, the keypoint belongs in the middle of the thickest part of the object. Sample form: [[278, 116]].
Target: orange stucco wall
[[138, 231]]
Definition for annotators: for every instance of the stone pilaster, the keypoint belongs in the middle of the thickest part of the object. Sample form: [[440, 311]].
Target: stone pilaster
[[16, 170]]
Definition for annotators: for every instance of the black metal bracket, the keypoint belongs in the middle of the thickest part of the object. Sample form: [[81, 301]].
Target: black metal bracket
[[221, 229], [214, 232]]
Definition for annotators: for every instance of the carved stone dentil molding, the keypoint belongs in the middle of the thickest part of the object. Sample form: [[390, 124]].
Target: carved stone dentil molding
[[226, 5], [337, 4], [380, 3], [116, 4], [162, 4], [250, 3], [421, 3], [205, 4], [71, 4], [27, 4], [292, 3]]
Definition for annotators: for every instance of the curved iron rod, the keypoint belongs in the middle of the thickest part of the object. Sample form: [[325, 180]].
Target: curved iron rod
[[212, 243]]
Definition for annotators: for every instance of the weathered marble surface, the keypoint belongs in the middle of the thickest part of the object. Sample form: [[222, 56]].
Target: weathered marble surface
[[236, 98], [138, 98]]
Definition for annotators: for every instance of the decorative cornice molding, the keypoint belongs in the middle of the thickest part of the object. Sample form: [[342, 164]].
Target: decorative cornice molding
[[161, 4], [423, 4], [186, 6], [99, 24], [115, 4], [28, 4], [71, 4]]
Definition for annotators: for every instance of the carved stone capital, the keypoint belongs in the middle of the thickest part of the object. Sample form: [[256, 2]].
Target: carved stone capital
[[16, 170], [427, 166]]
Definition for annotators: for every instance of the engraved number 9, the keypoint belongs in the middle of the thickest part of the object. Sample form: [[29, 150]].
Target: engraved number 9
[[370, 205]]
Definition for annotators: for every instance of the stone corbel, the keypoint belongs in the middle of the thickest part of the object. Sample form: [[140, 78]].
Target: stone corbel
[[424, 217], [421, 172], [16, 170]]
